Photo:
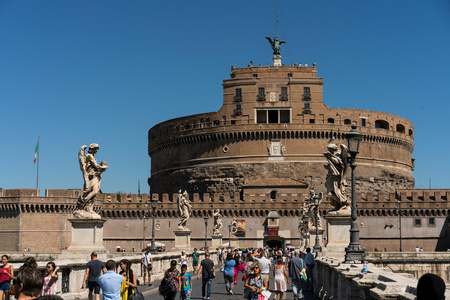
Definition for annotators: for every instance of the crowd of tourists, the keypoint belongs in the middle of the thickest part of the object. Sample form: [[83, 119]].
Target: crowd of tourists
[[259, 268]]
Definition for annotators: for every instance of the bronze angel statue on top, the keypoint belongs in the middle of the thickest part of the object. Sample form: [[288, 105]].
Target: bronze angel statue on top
[[275, 45]]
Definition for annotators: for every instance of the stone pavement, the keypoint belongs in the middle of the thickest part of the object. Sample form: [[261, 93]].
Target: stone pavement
[[218, 291]]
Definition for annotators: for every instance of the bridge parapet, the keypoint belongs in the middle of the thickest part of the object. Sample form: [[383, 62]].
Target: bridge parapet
[[337, 280]]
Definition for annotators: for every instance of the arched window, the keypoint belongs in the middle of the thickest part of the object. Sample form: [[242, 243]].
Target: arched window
[[400, 128], [273, 195], [381, 124]]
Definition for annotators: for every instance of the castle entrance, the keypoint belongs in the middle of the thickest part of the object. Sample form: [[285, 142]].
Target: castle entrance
[[273, 243]]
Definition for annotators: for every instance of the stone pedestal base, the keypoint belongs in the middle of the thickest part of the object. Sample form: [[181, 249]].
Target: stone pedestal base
[[87, 237], [276, 60], [234, 242], [338, 232], [182, 240], [216, 241]]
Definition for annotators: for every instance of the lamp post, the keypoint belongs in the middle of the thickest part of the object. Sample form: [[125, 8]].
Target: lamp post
[[399, 212], [316, 200], [206, 232], [154, 203], [229, 235], [144, 217], [354, 251]]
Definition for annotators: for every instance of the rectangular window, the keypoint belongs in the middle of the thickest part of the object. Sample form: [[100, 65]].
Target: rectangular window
[[307, 106], [261, 92], [255, 75], [238, 107], [285, 116], [417, 222], [312, 121], [261, 116], [284, 91], [363, 122], [289, 75], [273, 116], [431, 222], [306, 92], [238, 93]]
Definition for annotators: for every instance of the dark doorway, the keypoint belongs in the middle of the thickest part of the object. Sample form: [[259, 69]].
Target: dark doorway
[[274, 244]]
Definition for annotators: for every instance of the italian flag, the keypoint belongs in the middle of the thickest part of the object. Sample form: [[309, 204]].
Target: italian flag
[[36, 152]]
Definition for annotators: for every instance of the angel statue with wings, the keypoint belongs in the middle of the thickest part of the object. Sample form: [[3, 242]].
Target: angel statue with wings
[[275, 45], [92, 174], [336, 184], [184, 209]]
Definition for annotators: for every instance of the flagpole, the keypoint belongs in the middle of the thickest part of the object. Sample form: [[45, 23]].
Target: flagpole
[[37, 177]]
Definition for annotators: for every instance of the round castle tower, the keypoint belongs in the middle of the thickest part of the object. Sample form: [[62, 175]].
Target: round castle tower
[[270, 136]]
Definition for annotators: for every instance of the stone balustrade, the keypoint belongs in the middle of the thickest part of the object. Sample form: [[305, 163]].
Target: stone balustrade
[[71, 272], [337, 280]]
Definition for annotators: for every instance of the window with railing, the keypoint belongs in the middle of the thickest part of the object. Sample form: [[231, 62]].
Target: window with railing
[[284, 94], [261, 94], [238, 95], [306, 93]]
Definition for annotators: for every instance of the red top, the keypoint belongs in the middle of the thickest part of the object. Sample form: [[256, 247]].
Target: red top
[[3, 276]]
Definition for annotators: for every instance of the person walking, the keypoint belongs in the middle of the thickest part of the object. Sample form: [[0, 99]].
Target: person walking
[[195, 256], [228, 273], [295, 267], [129, 279], [309, 261], [279, 279], [6, 274], [208, 272], [171, 281], [94, 269], [266, 264], [183, 258], [110, 282], [147, 261], [256, 282], [237, 259], [50, 278], [185, 288]]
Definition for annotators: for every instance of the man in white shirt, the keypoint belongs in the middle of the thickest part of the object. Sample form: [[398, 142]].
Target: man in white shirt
[[147, 261]]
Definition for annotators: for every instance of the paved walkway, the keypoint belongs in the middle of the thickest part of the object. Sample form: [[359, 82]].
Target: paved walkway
[[218, 291]]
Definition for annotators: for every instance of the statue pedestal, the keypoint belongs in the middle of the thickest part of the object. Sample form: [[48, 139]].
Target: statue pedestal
[[312, 237], [338, 233], [182, 240], [216, 241], [234, 242], [277, 61], [87, 237]]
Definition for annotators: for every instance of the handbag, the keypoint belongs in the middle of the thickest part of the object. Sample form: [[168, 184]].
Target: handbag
[[303, 273], [136, 295], [264, 295], [241, 267]]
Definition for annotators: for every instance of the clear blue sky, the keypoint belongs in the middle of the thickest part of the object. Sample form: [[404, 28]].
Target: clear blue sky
[[79, 72]]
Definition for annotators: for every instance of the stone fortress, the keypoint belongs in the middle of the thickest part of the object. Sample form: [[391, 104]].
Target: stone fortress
[[256, 159]]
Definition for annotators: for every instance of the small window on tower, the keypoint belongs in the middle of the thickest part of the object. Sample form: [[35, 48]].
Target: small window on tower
[[255, 75], [238, 93], [284, 91], [363, 122], [261, 92], [306, 92], [289, 75]]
